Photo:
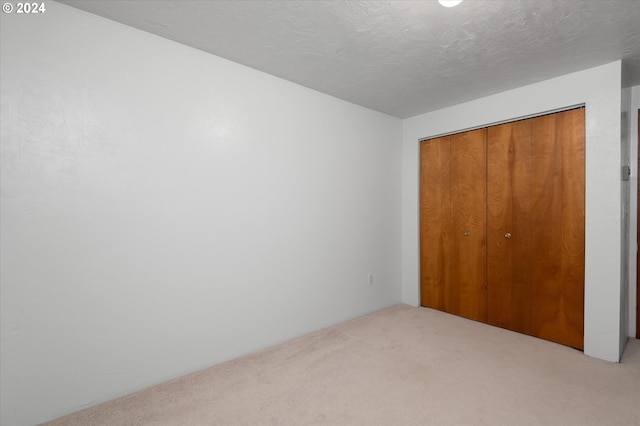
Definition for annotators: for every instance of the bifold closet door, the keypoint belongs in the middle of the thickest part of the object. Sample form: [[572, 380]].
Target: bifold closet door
[[452, 224], [435, 223], [468, 224], [509, 256], [558, 221], [502, 214]]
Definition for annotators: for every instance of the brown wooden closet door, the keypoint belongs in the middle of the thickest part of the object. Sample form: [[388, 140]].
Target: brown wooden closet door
[[509, 226], [435, 223], [558, 215], [468, 225]]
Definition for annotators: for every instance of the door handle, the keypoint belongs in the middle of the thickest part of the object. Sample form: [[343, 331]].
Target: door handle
[[507, 235]]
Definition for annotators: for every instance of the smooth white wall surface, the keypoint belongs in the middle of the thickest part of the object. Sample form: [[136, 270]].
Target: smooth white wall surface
[[625, 194], [599, 89], [633, 225], [164, 210]]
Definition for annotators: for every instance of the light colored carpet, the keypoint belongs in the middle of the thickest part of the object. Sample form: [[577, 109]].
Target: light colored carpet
[[399, 366]]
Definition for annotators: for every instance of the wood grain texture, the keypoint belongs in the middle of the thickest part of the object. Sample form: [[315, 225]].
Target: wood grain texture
[[526, 178], [558, 219], [509, 211], [435, 223], [468, 215]]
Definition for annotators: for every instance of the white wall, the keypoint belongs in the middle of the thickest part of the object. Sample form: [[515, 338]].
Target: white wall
[[625, 194], [599, 89], [164, 210], [633, 225], [633, 228]]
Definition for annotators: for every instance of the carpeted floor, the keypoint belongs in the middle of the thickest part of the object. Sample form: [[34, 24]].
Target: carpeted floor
[[399, 366]]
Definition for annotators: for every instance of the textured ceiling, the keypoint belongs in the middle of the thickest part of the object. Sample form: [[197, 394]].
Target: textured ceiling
[[399, 57]]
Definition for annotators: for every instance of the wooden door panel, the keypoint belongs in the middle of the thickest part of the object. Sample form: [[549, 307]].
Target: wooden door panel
[[468, 225], [509, 211], [524, 178], [435, 223], [558, 194]]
